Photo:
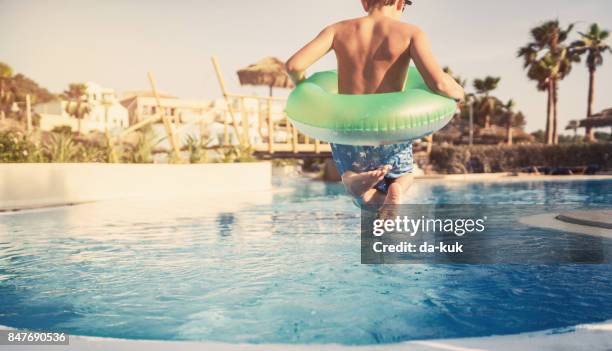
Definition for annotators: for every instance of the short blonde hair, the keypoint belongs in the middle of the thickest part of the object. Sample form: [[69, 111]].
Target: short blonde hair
[[373, 3]]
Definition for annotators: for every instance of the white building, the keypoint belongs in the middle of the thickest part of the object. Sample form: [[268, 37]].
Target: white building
[[142, 105], [105, 112]]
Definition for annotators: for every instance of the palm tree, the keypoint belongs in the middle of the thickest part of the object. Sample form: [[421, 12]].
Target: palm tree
[[486, 85], [457, 78], [547, 61], [593, 44], [466, 111], [508, 114], [6, 72], [76, 105], [488, 104]]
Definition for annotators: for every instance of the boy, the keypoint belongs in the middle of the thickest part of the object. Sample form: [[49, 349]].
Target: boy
[[373, 54]]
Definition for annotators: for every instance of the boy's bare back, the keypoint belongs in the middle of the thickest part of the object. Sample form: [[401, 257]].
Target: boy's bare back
[[373, 54]]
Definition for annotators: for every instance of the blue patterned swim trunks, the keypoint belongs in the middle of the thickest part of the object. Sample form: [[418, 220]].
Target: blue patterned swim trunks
[[360, 159]]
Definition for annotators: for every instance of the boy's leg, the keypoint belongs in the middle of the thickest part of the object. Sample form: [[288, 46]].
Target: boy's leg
[[398, 188], [373, 197], [395, 193], [401, 155]]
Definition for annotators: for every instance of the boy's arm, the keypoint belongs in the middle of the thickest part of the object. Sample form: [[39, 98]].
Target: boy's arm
[[309, 54], [434, 76]]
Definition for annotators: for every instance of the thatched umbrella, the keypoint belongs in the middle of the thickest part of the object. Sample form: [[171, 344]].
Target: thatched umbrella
[[598, 120], [269, 72], [497, 134]]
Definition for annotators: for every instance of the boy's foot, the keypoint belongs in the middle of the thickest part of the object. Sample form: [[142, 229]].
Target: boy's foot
[[359, 183]]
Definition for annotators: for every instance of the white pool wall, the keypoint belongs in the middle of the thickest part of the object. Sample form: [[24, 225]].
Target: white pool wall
[[32, 185]]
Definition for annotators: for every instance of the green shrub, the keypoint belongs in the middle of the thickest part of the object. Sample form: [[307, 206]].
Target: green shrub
[[142, 152], [486, 159], [237, 153], [62, 130], [17, 147], [61, 148], [91, 152], [197, 149], [282, 162]]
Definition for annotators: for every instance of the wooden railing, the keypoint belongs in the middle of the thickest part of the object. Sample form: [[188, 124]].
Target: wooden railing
[[295, 141], [275, 131]]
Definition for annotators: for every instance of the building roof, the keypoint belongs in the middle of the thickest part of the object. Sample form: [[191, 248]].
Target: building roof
[[144, 93], [168, 102]]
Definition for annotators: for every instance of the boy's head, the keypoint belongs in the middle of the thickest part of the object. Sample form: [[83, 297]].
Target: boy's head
[[397, 5]]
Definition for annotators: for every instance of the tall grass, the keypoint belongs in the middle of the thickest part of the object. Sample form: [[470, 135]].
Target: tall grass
[[61, 148], [142, 152]]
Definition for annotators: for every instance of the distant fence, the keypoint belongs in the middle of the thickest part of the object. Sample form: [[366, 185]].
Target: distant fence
[[270, 131], [487, 159]]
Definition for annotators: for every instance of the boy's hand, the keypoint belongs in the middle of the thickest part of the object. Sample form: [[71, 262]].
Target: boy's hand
[[297, 76], [298, 63]]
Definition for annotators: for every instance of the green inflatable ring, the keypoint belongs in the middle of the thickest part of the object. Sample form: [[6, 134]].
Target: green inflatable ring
[[317, 110]]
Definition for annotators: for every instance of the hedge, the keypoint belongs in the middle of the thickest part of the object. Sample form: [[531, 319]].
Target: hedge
[[503, 158]]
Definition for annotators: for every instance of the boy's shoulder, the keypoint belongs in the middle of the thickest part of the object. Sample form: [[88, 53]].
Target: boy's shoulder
[[396, 25]]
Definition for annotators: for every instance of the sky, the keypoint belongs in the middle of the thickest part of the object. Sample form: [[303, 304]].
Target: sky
[[115, 42]]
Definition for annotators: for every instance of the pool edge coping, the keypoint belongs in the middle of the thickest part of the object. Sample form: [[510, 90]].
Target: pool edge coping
[[589, 336]]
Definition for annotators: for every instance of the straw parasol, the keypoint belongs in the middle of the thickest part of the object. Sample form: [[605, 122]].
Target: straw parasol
[[269, 71], [598, 120], [497, 134]]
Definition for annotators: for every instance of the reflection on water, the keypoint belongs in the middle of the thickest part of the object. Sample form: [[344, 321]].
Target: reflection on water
[[282, 270], [224, 223]]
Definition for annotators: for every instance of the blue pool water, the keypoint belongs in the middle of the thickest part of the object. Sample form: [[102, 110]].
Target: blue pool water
[[283, 270]]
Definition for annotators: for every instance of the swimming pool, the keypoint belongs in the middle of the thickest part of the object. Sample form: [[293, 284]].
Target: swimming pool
[[282, 271]]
